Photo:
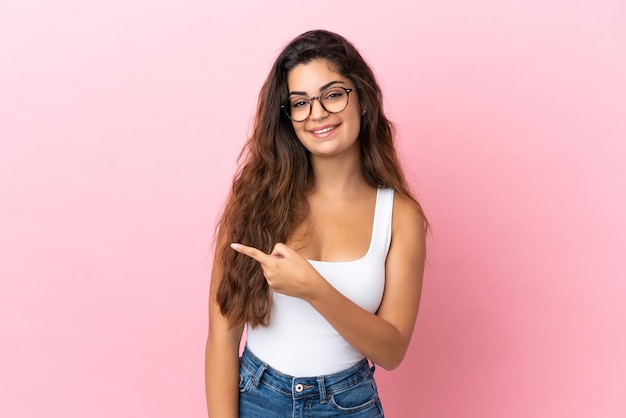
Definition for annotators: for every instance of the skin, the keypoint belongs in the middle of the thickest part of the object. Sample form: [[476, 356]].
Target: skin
[[339, 229], [221, 359]]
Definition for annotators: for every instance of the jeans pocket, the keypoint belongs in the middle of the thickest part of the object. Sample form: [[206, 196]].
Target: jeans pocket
[[356, 398]]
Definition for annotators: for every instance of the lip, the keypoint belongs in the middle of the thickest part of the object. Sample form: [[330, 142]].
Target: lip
[[316, 130]]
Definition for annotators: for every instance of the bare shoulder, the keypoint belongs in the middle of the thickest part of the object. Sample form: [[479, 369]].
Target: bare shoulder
[[407, 217]]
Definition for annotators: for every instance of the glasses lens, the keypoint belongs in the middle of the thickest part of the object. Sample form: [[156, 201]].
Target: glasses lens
[[334, 100], [299, 108]]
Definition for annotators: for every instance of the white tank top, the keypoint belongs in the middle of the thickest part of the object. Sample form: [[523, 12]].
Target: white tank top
[[299, 341]]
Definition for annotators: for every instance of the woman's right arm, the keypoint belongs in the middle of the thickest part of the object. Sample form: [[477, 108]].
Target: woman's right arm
[[221, 358]]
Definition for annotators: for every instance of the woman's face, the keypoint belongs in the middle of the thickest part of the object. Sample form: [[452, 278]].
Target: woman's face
[[324, 133]]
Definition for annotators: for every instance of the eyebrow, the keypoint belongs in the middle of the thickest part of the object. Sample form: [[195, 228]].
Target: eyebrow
[[324, 87]]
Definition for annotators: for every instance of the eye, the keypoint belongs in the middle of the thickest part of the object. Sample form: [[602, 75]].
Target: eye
[[334, 94], [297, 102]]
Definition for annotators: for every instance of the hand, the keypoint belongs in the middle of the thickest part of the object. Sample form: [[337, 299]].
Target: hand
[[285, 270]]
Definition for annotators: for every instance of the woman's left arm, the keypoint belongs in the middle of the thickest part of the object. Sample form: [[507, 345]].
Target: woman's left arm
[[382, 337]]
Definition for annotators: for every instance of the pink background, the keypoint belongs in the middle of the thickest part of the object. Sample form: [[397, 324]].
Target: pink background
[[120, 123]]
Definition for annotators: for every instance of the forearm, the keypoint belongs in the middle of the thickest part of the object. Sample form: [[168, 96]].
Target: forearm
[[373, 336], [222, 379]]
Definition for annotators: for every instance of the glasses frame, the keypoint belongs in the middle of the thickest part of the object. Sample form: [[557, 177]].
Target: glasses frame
[[319, 100]]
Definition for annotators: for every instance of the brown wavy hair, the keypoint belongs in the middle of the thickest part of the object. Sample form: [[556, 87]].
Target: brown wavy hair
[[268, 197]]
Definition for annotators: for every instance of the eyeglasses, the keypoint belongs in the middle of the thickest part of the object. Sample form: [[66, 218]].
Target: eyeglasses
[[332, 100]]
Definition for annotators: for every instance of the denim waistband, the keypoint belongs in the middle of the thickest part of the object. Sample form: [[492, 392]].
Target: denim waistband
[[302, 387]]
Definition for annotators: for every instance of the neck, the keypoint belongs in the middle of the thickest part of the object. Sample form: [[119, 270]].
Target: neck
[[338, 176]]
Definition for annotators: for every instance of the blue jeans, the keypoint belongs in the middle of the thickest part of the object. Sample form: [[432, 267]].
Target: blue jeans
[[267, 393]]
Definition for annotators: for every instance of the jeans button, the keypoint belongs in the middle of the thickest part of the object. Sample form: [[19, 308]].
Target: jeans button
[[299, 387]]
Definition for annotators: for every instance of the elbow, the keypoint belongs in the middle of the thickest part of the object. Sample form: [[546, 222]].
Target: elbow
[[390, 365], [393, 360]]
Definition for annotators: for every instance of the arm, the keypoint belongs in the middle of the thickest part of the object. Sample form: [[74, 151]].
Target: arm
[[221, 359], [385, 336]]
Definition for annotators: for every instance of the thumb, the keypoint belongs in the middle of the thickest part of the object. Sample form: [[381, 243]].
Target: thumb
[[280, 250]]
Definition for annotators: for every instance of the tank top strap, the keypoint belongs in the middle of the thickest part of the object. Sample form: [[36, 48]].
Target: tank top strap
[[381, 231]]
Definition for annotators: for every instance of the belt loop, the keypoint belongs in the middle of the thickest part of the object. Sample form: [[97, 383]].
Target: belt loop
[[259, 373], [373, 368], [322, 388]]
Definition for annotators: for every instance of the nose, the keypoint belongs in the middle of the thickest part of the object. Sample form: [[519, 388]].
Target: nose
[[317, 110]]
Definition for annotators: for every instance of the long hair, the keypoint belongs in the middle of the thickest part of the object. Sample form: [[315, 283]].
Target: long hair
[[268, 197]]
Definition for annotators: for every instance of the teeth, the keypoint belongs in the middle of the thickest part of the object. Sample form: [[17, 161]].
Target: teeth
[[323, 131]]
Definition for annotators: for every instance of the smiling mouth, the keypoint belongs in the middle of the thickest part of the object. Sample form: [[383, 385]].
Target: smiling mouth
[[323, 131]]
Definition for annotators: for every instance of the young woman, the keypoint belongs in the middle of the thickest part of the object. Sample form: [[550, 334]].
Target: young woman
[[320, 248]]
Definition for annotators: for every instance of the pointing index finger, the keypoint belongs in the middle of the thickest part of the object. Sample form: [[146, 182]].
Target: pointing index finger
[[251, 252]]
